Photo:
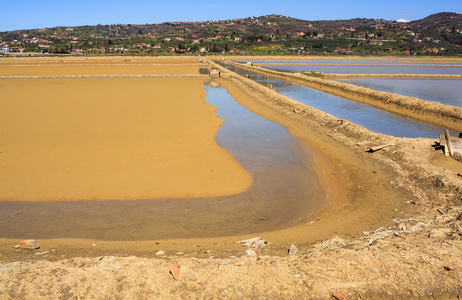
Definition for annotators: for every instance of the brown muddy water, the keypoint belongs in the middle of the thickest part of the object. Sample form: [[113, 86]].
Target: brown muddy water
[[286, 190]]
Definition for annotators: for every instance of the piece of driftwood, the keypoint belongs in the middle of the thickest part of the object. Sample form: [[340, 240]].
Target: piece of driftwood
[[377, 148], [448, 142]]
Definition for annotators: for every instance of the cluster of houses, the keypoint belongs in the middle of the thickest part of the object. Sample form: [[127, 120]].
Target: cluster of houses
[[69, 39]]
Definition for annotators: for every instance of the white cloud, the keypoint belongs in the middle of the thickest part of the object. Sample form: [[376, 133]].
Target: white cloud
[[402, 21]]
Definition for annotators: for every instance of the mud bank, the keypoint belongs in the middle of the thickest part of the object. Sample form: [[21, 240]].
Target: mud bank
[[425, 111]]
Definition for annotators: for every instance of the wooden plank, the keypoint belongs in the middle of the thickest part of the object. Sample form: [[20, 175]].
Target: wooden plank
[[448, 142], [377, 148]]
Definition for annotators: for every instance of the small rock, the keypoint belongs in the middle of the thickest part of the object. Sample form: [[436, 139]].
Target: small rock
[[175, 271], [160, 252], [448, 268], [339, 296], [438, 234], [17, 247], [257, 242], [208, 251], [179, 253], [93, 245], [293, 249], [29, 245]]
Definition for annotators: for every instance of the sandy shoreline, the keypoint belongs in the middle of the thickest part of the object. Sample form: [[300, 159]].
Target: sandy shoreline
[[399, 183]]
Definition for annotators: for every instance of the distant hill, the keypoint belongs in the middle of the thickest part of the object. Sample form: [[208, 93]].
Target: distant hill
[[446, 19], [437, 34]]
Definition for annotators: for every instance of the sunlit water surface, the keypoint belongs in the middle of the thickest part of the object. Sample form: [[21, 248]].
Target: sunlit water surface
[[285, 188], [367, 69], [365, 115], [446, 91]]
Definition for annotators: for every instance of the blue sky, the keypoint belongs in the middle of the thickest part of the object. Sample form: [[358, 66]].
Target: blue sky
[[28, 14]]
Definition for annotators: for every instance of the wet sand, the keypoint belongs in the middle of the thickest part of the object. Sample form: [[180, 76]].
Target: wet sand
[[138, 69], [112, 139]]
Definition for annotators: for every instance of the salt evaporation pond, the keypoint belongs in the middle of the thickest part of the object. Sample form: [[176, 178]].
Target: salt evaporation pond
[[365, 115], [285, 188], [353, 62], [367, 69], [446, 91]]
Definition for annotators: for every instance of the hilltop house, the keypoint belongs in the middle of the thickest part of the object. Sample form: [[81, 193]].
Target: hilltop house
[[77, 51]]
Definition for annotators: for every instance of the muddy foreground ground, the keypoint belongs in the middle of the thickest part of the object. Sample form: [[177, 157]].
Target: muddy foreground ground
[[396, 234]]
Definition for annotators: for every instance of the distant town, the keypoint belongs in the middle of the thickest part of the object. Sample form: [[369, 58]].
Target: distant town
[[438, 34]]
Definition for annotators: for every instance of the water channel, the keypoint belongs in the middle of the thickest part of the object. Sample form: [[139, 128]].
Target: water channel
[[354, 62], [357, 69], [446, 91], [285, 188], [362, 114]]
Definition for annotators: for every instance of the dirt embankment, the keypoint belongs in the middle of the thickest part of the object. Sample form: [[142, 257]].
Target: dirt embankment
[[426, 111], [413, 254]]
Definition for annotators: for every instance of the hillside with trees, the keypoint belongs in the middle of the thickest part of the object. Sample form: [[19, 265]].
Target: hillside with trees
[[438, 34]]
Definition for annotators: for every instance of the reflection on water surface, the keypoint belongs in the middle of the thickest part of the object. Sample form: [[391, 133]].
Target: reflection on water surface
[[285, 189], [369, 69], [446, 91], [365, 115]]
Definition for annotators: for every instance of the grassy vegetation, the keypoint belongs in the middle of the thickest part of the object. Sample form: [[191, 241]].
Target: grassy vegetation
[[312, 73]]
